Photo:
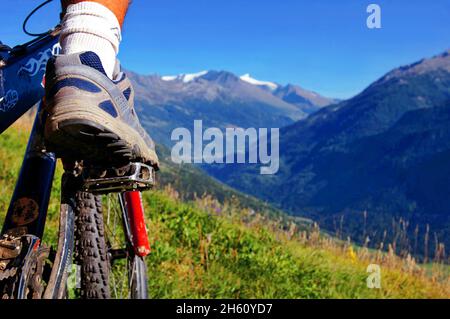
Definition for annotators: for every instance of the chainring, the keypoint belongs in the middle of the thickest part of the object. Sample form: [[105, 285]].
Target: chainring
[[31, 272]]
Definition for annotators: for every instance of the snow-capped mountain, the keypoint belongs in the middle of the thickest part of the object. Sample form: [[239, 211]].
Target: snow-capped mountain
[[186, 78], [219, 98], [270, 85]]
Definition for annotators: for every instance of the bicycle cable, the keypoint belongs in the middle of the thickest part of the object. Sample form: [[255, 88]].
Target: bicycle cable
[[24, 25]]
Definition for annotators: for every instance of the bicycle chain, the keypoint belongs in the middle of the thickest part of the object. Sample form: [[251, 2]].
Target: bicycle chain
[[8, 273], [8, 282], [34, 283]]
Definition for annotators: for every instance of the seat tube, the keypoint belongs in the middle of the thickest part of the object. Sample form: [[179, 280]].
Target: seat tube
[[27, 211]]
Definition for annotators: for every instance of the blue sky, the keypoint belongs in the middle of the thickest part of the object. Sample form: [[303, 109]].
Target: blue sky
[[323, 45]]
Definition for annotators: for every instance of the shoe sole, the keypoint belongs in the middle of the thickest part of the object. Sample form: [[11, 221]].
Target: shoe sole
[[87, 140]]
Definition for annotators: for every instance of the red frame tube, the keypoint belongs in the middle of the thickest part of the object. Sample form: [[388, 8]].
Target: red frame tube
[[135, 209]]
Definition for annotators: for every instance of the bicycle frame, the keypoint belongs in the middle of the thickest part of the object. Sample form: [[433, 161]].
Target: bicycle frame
[[22, 72], [21, 87]]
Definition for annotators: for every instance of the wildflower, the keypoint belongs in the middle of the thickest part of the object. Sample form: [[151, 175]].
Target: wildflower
[[352, 254]]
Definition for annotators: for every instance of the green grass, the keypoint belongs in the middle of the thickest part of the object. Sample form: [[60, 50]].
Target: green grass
[[202, 248], [214, 251]]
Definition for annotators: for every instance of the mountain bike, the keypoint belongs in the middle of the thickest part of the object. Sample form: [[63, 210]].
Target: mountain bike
[[102, 233]]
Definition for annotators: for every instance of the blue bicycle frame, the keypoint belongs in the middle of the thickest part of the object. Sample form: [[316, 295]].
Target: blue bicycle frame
[[21, 87]]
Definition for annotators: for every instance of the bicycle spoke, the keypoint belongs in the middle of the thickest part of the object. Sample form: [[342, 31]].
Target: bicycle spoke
[[116, 239]]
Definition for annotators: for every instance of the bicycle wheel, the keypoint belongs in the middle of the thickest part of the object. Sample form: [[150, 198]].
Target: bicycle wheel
[[104, 251]]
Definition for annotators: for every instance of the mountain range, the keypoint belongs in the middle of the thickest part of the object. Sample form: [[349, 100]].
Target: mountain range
[[372, 161], [221, 99]]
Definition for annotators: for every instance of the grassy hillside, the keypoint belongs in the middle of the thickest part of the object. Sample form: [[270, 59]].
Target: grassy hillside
[[202, 248]]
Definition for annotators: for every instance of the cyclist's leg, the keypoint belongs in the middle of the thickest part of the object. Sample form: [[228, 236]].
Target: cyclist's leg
[[119, 7]]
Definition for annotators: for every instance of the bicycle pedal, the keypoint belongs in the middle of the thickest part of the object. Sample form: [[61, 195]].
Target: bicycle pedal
[[132, 177]]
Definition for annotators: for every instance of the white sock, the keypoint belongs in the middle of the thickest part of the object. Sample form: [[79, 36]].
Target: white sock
[[90, 26]]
